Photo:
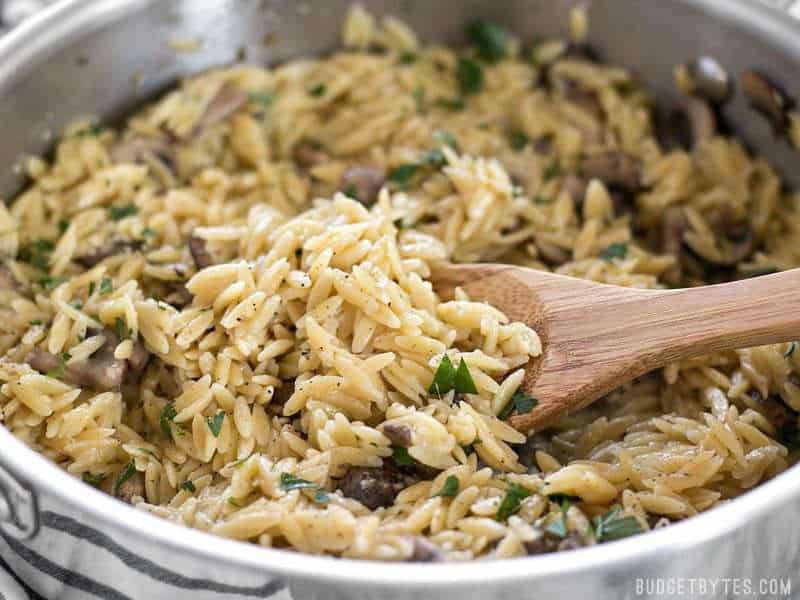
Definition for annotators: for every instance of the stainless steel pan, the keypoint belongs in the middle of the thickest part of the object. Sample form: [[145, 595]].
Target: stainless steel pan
[[106, 56]]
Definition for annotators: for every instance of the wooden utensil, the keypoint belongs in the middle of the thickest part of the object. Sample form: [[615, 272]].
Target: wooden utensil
[[596, 337]]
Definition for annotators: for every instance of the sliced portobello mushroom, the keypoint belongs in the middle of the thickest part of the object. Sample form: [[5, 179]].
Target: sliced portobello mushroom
[[110, 248], [363, 183], [200, 255], [226, 102], [701, 120], [308, 153], [398, 433], [374, 487], [612, 167], [768, 98], [551, 255], [134, 150], [674, 225]]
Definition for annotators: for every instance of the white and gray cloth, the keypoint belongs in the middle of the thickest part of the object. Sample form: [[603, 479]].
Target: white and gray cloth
[[18, 564]]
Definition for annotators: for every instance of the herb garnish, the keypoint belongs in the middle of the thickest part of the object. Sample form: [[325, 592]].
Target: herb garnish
[[149, 232], [790, 350], [188, 486], [168, 414], [120, 212], [265, 99], [444, 379], [35, 322], [106, 286], [616, 250], [94, 480], [402, 458], [450, 487], [318, 90], [37, 254], [48, 282], [434, 158], [127, 473], [408, 58], [215, 423], [120, 328], [613, 526], [520, 402], [463, 382], [551, 172], [59, 371], [469, 75], [403, 174], [512, 501], [419, 99], [489, 39], [290, 482], [518, 139], [63, 225], [445, 138]]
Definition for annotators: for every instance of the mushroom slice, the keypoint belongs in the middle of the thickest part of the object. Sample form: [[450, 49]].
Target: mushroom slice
[[373, 487], [130, 489], [612, 167], [363, 183], [200, 255], [308, 153], [111, 248], [767, 98], [399, 434], [227, 101], [702, 122], [134, 150], [709, 80]]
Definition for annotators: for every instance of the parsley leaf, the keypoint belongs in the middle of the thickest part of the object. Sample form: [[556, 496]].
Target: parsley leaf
[[616, 250], [450, 487], [512, 501], [120, 212], [489, 39], [469, 75], [790, 350], [106, 286], [35, 322], [128, 472], [120, 328], [451, 104], [265, 99], [63, 225], [94, 480], [434, 158], [318, 90], [168, 414], [188, 486], [419, 99], [48, 282], [444, 378], [403, 174], [215, 423], [551, 172], [58, 372], [149, 232], [613, 526], [408, 58], [463, 382], [402, 458], [518, 139], [290, 482], [445, 138], [520, 402]]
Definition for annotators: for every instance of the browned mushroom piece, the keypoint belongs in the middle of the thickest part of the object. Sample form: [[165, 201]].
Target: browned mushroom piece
[[709, 80], [612, 167], [308, 153], [551, 255], [767, 98], [363, 183], [736, 237], [702, 122], [283, 393], [227, 101], [133, 150], [578, 95], [200, 255], [674, 225], [541, 544], [131, 488], [575, 187], [424, 550], [373, 487], [139, 357], [399, 434], [776, 411], [109, 249], [101, 371]]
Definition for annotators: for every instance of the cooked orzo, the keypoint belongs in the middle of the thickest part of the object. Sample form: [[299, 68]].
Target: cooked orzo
[[223, 313]]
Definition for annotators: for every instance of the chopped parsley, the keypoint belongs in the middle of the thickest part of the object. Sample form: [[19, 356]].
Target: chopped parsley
[[59, 371], [450, 487], [265, 99], [92, 130], [419, 99], [616, 250], [120, 212], [106, 286], [189, 487], [408, 58], [120, 328], [434, 158], [48, 282], [94, 480], [289, 482], [463, 382], [613, 526], [470, 75], [168, 414], [539, 199], [37, 254], [445, 138], [402, 458], [790, 350], [63, 225], [551, 172], [444, 379], [490, 40], [520, 402], [215, 423], [35, 322], [512, 501], [318, 90], [149, 232], [128, 472], [518, 139], [403, 174], [92, 287], [451, 104]]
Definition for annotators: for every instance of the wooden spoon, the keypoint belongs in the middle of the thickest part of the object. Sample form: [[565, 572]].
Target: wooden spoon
[[596, 337]]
